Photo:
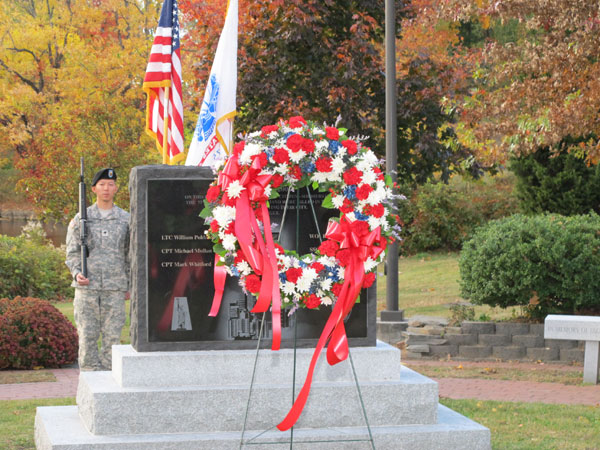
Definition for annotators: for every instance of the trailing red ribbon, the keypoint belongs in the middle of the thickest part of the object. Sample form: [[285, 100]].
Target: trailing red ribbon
[[220, 275], [333, 335], [259, 252]]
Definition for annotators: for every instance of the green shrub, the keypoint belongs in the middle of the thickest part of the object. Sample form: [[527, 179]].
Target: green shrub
[[547, 263], [33, 268], [33, 333], [441, 216], [561, 184]]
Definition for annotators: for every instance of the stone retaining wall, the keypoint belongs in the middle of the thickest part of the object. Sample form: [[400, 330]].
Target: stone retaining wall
[[432, 338]]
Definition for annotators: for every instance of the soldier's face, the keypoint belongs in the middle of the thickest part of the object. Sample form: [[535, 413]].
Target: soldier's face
[[105, 190]]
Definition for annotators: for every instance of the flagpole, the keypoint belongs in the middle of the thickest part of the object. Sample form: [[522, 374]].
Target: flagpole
[[392, 313], [165, 151]]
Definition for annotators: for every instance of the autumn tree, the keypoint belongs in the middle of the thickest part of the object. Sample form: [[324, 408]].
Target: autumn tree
[[71, 74], [431, 69], [324, 59], [538, 89], [320, 59]]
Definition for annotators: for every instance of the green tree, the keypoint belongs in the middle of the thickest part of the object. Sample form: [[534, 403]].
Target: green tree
[[562, 184], [314, 58]]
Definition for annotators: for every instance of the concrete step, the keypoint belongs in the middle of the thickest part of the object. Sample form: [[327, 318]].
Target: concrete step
[[107, 408], [234, 367], [60, 428]]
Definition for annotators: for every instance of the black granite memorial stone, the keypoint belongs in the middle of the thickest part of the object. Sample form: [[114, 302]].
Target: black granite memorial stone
[[172, 269]]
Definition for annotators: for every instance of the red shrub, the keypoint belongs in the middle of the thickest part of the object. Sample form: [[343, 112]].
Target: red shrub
[[33, 333]]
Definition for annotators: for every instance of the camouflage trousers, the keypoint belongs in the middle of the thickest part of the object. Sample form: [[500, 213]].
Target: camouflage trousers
[[98, 314]]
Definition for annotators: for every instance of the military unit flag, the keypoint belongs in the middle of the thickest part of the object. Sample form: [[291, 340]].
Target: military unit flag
[[162, 82], [212, 139]]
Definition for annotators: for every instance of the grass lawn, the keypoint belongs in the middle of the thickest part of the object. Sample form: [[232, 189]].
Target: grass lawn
[[534, 426], [543, 374], [17, 418], [428, 283], [528, 426], [25, 376]]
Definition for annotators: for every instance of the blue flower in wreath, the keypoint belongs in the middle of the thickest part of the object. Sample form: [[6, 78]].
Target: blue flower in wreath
[[350, 192], [334, 147]]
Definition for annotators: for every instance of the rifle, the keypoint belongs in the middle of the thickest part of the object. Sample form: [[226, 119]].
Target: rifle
[[83, 222]]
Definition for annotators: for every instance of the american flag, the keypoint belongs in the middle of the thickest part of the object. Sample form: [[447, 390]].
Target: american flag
[[164, 69]]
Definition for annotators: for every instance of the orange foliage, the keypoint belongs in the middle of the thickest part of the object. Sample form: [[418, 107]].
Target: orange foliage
[[71, 73], [537, 88]]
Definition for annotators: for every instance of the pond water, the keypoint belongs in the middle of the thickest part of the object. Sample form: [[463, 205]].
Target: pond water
[[56, 232]]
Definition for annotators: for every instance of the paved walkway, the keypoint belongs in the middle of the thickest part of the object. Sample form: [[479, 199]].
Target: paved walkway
[[64, 386], [512, 391], [457, 388], [518, 391]]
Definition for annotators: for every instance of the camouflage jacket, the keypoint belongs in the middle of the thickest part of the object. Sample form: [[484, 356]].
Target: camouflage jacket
[[108, 245]]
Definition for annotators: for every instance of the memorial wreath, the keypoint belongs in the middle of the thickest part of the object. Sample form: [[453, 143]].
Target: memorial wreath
[[295, 154]]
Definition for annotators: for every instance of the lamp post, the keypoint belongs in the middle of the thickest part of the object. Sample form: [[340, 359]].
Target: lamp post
[[391, 314]]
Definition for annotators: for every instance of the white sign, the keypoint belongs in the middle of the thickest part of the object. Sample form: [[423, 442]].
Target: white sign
[[579, 328]]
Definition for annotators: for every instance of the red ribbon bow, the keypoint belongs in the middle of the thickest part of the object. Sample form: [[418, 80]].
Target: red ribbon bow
[[255, 183]]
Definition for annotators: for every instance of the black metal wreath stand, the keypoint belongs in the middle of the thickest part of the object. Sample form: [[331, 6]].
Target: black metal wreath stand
[[254, 439]]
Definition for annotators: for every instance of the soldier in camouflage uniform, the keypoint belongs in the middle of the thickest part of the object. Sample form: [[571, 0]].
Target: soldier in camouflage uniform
[[100, 298]]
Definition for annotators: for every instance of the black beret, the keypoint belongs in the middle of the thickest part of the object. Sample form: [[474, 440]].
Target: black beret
[[104, 174]]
